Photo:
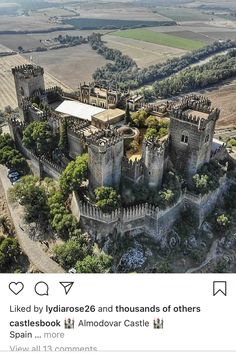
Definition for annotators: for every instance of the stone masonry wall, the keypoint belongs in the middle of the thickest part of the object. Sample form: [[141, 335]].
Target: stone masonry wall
[[142, 218], [146, 218]]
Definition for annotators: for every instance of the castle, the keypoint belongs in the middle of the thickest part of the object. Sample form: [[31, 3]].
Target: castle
[[188, 146]]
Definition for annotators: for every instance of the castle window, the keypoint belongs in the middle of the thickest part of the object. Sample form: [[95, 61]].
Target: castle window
[[22, 91], [207, 138], [184, 138]]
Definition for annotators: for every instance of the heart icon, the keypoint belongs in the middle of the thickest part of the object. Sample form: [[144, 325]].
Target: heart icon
[[16, 287]]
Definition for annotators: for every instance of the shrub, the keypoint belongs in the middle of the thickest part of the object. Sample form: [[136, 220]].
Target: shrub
[[107, 199], [223, 221]]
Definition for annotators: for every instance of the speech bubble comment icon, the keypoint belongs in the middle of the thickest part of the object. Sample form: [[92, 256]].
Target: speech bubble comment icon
[[41, 288]]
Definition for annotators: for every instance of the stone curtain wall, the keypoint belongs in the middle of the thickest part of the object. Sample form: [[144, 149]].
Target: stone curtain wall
[[205, 204], [145, 218], [132, 170]]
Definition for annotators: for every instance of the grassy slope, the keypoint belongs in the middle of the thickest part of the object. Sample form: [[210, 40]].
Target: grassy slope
[[160, 38]]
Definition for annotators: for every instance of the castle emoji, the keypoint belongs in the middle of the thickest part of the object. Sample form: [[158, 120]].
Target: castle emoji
[[95, 124]]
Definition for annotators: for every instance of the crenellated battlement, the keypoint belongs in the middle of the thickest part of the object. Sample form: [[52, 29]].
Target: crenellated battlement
[[125, 214], [77, 126], [27, 71], [104, 139], [196, 110], [198, 102], [129, 163], [51, 164], [153, 146], [54, 89]]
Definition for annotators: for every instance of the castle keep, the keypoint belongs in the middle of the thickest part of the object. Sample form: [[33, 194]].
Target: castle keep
[[188, 146], [28, 80], [192, 126], [106, 151]]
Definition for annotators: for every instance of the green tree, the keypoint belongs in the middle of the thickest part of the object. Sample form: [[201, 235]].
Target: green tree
[[167, 196], [107, 199], [61, 218], [151, 133], [63, 141], [33, 197], [69, 253], [38, 136], [98, 263], [139, 118], [152, 122], [13, 159], [64, 223], [6, 140], [134, 146], [75, 173], [201, 182], [9, 252], [162, 132]]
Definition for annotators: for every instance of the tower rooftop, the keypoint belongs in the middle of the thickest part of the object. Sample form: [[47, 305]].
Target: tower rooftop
[[196, 110], [28, 70]]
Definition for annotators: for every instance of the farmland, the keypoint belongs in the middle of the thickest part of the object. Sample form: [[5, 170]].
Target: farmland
[[7, 87], [144, 53], [160, 38], [182, 14], [70, 65], [100, 23], [224, 98]]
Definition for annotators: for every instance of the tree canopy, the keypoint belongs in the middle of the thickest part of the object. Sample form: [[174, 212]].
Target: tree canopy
[[11, 157], [9, 252], [99, 262], [107, 199], [75, 173], [33, 197], [38, 137], [73, 250]]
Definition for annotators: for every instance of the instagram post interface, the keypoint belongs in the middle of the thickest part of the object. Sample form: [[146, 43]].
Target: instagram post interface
[[117, 176]]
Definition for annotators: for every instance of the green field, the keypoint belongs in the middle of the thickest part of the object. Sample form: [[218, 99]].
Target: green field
[[160, 38]]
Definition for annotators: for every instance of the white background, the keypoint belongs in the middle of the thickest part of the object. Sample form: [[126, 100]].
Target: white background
[[213, 329]]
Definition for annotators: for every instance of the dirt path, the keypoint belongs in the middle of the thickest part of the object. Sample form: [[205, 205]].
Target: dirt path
[[34, 252]]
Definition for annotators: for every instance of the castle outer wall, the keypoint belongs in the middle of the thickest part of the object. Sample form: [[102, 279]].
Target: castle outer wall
[[146, 219]]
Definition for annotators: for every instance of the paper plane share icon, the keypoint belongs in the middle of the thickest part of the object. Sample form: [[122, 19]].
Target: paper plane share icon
[[67, 286]]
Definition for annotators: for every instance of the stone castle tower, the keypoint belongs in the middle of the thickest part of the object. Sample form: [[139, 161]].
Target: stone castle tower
[[153, 159], [106, 151], [28, 79], [191, 132]]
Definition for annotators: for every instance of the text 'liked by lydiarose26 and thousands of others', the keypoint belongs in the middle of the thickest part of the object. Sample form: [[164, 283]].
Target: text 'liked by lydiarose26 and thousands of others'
[[117, 313]]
